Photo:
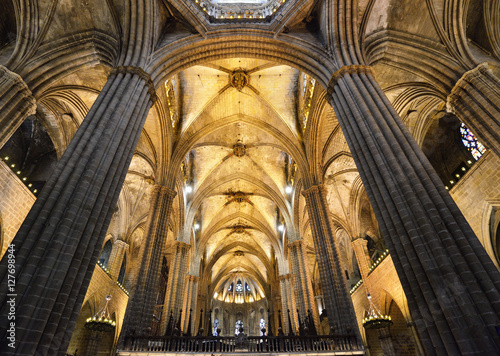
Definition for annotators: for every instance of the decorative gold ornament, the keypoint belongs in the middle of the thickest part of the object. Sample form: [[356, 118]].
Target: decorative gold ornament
[[239, 79], [239, 149]]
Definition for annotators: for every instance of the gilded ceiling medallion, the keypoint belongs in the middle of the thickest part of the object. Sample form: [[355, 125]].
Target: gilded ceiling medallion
[[239, 149], [239, 79], [239, 228]]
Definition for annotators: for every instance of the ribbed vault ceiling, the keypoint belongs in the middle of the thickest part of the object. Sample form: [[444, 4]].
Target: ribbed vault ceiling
[[238, 207]]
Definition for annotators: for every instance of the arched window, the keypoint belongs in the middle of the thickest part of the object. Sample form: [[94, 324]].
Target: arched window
[[475, 147], [105, 253], [237, 326], [215, 327], [239, 287], [262, 325]]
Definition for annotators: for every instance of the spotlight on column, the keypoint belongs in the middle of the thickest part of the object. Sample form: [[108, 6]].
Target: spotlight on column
[[196, 226], [281, 228], [189, 189], [288, 189]]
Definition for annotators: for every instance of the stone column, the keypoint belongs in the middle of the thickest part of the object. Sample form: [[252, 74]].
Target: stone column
[[336, 295], [116, 258], [451, 284], [189, 305], [277, 306], [58, 245], [304, 295], [475, 99], [288, 303], [16, 103], [175, 289], [140, 308]]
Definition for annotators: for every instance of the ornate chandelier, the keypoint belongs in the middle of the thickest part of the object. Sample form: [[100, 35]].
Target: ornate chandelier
[[375, 319], [101, 321]]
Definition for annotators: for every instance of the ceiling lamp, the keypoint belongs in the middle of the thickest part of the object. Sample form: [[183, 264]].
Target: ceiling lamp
[[288, 189], [101, 321], [375, 319]]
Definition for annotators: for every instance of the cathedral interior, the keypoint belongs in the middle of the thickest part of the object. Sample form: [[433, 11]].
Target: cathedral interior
[[253, 167]]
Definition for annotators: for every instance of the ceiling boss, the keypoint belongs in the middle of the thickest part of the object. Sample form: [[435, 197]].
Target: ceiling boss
[[239, 79]]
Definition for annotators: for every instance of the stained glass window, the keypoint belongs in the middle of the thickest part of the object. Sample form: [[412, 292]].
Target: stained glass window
[[262, 325], [216, 325], [239, 287], [237, 327], [475, 147], [247, 287], [230, 288]]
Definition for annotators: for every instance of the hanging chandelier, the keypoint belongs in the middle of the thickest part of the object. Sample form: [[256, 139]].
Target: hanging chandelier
[[101, 321], [375, 319]]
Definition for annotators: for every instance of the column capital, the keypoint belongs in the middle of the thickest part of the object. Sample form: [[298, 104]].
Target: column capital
[[180, 245], [284, 277], [22, 88], [192, 278], [142, 74], [461, 85], [120, 243], [158, 188], [352, 69], [296, 243], [315, 189], [360, 240]]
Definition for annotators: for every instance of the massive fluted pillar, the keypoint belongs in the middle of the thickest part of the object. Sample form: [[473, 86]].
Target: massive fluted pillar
[[139, 314], [475, 99], [189, 303], [338, 301], [451, 283], [175, 289], [304, 295], [288, 304], [16, 103], [59, 242]]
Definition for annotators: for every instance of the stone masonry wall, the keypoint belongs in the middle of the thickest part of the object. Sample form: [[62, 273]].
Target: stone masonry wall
[[100, 286], [15, 203], [476, 193]]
